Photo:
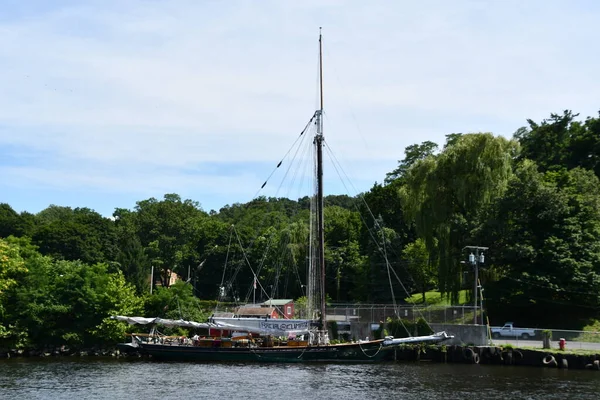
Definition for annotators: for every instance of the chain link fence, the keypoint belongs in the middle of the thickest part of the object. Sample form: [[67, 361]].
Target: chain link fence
[[376, 313], [462, 315], [574, 340]]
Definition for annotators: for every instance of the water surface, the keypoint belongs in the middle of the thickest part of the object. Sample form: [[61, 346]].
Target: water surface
[[78, 378]]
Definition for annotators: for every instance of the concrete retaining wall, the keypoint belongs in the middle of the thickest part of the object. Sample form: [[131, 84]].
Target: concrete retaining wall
[[474, 335]]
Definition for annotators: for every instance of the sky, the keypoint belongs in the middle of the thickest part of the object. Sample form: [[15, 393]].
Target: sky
[[106, 103]]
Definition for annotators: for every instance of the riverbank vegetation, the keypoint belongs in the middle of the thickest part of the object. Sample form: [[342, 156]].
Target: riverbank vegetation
[[533, 199]]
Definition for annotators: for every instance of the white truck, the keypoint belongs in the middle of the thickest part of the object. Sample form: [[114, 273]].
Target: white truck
[[509, 331]]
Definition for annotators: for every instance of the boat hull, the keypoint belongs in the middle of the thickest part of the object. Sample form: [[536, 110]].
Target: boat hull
[[372, 351]]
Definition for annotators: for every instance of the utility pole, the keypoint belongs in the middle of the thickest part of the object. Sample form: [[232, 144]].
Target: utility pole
[[474, 260], [481, 301]]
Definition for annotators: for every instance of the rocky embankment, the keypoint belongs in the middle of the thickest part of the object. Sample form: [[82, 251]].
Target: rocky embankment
[[61, 352]]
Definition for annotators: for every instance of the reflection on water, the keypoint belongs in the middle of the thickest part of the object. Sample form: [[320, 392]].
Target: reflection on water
[[135, 379]]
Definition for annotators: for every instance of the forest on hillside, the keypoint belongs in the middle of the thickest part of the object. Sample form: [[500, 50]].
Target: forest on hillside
[[534, 200]]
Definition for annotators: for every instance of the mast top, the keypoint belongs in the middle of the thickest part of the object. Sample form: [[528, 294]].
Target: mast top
[[321, 67]]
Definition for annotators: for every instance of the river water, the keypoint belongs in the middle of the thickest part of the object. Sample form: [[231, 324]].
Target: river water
[[137, 379]]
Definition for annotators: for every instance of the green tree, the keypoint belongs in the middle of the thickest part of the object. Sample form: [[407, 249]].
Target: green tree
[[412, 154], [444, 194], [134, 263], [75, 234], [421, 267], [64, 302], [562, 142], [12, 267], [11, 223], [176, 302], [164, 228], [546, 261]]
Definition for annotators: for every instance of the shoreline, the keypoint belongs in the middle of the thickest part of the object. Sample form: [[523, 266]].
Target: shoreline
[[454, 354]]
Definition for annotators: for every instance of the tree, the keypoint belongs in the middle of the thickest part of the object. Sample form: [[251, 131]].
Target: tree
[[134, 263], [164, 228], [175, 302], [10, 222], [412, 154], [342, 258], [116, 297], [545, 231], [444, 194], [11, 267], [75, 234], [69, 302], [562, 142], [421, 267]]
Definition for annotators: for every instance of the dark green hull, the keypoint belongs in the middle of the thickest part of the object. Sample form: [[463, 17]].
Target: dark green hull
[[372, 351]]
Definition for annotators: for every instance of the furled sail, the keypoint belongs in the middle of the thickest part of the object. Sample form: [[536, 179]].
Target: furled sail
[[265, 326], [164, 322]]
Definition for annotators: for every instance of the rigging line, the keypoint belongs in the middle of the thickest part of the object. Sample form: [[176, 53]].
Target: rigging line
[[262, 263], [306, 157], [297, 272], [260, 266], [282, 252], [257, 234], [308, 125], [286, 154], [289, 168], [285, 251], [249, 265], [221, 293], [238, 266], [336, 163], [383, 238], [292, 162], [286, 277]]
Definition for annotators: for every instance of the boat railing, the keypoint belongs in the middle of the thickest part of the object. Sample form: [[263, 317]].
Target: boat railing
[[215, 341]]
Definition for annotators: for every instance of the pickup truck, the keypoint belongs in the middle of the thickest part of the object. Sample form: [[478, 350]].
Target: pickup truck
[[509, 331]]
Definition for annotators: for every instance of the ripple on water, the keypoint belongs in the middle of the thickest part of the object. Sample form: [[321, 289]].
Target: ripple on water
[[135, 379]]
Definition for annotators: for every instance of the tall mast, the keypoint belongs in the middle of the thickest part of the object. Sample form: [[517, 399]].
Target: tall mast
[[320, 224]]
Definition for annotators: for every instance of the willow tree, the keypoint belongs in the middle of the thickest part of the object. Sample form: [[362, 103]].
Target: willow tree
[[444, 194]]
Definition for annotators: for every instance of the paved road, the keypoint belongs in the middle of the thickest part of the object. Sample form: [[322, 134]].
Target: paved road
[[554, 345]]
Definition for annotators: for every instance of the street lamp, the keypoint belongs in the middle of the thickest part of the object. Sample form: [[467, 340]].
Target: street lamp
[[474, 260]]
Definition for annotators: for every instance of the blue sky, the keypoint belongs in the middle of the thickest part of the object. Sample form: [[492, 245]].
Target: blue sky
[[105, 103]]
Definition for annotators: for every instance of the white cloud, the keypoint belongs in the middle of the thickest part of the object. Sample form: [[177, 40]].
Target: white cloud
[[131, 92]]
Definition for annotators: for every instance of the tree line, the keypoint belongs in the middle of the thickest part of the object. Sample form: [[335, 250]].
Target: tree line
[[533, 199]]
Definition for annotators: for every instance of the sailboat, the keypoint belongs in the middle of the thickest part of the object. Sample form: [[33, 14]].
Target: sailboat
[[242, 338]]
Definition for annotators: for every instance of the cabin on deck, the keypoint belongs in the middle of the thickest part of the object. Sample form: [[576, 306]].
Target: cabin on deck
[[284, 307]]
